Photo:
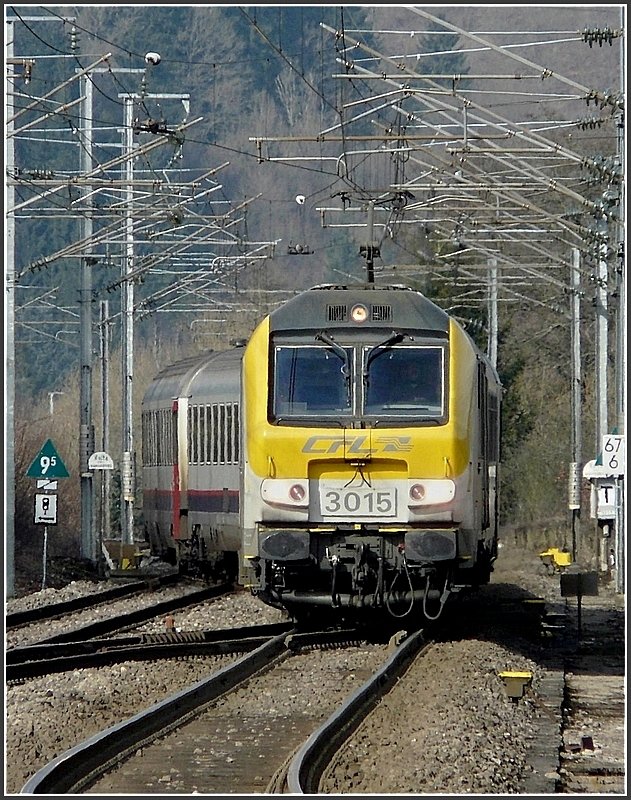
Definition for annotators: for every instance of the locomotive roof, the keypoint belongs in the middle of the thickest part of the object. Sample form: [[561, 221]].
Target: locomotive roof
[[392, 304]]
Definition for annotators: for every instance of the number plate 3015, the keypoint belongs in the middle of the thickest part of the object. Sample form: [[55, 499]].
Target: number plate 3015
[[358, 502]]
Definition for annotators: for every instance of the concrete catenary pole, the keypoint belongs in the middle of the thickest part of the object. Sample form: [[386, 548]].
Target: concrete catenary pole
[[621, 329], [492, 312], [105, 515], [86, 438], [602, 342], [9, 312], [127, 338], [574, 493]]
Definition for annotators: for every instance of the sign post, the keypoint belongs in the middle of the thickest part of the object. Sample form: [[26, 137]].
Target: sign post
[[103, 462], [44, 557], [47, 466], [613, 454], [614, 461], [47, 463], [578, 584], [46, 514]]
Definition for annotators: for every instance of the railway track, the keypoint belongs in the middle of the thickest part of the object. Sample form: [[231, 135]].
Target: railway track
[[65, 607], [194, 738], [45, 659], [304, 771], [108, 623], [456, 726]]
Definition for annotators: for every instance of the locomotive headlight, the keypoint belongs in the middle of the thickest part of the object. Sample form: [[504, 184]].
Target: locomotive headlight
[[297, 492], [288, 493], [431, 492], [359, 313]]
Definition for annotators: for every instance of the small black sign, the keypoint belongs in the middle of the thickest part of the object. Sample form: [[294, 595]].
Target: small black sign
[[579, 584]]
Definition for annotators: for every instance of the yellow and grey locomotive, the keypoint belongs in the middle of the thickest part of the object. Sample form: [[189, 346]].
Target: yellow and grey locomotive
[[346, 459], [370, 428]]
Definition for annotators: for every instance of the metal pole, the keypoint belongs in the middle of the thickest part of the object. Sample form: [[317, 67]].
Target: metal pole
[[128, 478], [602, 332], [620, 520], [577, 443], [9, 419], [621, 329], [127, 339], [86, 436], [44, 557], [492, 338], [105, 522], [602, 335], [492, 300], [621, 332]]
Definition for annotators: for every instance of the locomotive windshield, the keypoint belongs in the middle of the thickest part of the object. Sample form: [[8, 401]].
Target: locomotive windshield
[[389, 380], [312, 381], [404, 381]]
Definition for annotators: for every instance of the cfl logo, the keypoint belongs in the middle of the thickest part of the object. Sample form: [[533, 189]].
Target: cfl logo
[[360, 445]]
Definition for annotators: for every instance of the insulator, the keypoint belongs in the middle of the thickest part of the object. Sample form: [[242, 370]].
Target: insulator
[[574, 486], [127, 477]]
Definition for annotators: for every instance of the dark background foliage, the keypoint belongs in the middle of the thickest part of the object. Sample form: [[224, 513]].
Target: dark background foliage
[[262, 71]]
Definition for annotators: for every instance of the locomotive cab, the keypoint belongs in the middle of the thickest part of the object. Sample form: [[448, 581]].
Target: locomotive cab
[[370, 471]]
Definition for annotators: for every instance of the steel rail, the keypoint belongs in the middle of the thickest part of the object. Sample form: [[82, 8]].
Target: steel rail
[[46, 659], [76, 767], [120, 621], [53, 610], [306, 768], [84, 763]]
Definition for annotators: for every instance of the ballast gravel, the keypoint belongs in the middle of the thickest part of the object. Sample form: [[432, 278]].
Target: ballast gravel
[[48, 715], [448, 729]]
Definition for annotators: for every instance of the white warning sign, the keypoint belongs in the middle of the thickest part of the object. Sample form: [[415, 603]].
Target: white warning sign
[[45, 509]]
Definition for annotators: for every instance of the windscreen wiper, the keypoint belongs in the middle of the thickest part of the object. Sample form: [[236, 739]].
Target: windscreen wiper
[[323, 336], [394, 338]]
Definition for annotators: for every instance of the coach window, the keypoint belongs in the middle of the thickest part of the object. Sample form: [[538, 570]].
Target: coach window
[[311, 381], [193, 438], [208, 428], [166, 440], [222, 434], [216, 433], [404, 381]]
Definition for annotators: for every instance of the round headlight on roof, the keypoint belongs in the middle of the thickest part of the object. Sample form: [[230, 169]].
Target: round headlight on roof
[[359, 313]]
